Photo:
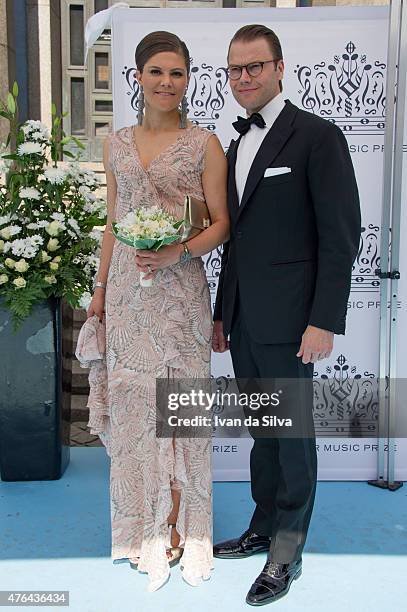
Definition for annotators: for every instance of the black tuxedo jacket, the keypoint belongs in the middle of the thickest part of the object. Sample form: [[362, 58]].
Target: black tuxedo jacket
[[294, 237]]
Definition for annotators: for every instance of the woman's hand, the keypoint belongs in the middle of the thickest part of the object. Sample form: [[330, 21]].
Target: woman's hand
[[151, 261], [97, 305]]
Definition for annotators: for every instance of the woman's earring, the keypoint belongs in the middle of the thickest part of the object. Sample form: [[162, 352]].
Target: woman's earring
[[184, 113], [140, 107]]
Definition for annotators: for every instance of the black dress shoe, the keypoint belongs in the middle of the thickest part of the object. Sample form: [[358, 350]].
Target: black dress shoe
[[274, 582], [248, 544]]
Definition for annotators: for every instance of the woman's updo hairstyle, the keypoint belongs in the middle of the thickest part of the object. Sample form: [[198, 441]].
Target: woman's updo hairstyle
[[159, 42]]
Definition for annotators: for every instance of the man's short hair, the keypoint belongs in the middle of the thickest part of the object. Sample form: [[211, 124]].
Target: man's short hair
[[251, 32]]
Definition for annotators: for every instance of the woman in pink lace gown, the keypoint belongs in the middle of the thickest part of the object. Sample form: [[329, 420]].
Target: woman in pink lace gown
[[156, 332]]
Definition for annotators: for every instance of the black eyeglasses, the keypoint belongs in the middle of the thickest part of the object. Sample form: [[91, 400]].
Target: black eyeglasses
[[253, 69]]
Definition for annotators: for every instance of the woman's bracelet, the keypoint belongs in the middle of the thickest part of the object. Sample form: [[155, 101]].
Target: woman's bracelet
[[186, 253], [99, 284]]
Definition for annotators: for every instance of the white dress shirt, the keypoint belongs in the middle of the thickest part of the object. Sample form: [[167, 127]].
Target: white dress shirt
[[251, 141]]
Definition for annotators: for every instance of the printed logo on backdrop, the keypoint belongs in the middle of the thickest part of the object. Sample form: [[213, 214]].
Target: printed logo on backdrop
[[349, 92], [206, 93], [364, 279], [345, 400], [212, 264]]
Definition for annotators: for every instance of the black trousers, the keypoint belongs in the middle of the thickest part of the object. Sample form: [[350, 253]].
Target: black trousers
[[283, 470]]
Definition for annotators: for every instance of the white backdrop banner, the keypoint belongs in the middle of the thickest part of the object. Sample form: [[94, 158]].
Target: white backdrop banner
[[335, 66]]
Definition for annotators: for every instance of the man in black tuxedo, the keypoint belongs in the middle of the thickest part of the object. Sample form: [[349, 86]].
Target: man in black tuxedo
[[283, 287]]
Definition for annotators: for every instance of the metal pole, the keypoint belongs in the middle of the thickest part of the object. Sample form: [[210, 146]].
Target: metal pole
[[392, 53], [389, 209], [395, 240]]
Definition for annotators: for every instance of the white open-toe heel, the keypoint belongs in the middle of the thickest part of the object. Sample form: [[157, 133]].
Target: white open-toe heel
[[176, 552], [134, 562]]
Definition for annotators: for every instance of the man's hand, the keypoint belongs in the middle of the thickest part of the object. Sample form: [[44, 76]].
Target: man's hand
[[219, 342], [316, 344]]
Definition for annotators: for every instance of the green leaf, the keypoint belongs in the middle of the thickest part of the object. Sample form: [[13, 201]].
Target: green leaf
[[53, 109], [78, 143], [64, 114], [69, 154], [5, 114], [15, 89], [21, 301], [169, 240], [12, 156], [145, 243], [11, 105]]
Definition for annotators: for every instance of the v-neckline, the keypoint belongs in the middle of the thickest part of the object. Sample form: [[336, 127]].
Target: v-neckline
[[147, 168]]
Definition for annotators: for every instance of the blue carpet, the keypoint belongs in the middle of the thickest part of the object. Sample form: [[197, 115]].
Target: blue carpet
[[56, 535]]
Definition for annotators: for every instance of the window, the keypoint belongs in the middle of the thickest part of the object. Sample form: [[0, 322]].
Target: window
[[77, 107], [102, 71], [103, 106], [101, 5], [76, 32], [101, 129]]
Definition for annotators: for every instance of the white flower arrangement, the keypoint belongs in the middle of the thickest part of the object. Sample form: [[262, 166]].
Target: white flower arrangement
[[48, 215]]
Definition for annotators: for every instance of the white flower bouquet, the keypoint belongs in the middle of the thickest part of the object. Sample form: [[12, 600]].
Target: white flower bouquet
[[48, 216], [147, 228]]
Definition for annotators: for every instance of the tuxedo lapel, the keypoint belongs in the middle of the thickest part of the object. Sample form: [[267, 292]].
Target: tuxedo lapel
[[233, 199], [271, 146]]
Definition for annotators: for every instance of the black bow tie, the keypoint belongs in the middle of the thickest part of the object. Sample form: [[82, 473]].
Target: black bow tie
[[242, 125]]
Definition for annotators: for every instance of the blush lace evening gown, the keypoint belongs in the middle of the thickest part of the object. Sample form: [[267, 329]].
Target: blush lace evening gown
[[160, 331]]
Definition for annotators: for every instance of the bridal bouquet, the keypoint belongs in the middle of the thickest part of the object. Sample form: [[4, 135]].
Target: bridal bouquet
[[147, 228], [48, 215]]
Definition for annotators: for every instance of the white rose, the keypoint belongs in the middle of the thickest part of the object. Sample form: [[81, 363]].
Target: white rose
[[3, 279], [44, 256], [53, 228], [19, 282], [57, 259], [21, 266], [53, 244], [1, 245], [50, 279], [10, 262], [5, 232], [53, 265]]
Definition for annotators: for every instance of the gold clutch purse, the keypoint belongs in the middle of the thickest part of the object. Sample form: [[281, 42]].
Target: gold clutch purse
[[196, 218]]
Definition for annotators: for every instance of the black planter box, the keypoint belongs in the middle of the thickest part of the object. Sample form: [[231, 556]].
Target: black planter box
[[35, 393]]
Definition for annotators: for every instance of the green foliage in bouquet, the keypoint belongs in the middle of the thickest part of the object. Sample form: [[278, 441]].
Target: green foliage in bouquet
[[48, 212], [145, 243], [147, 228]]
